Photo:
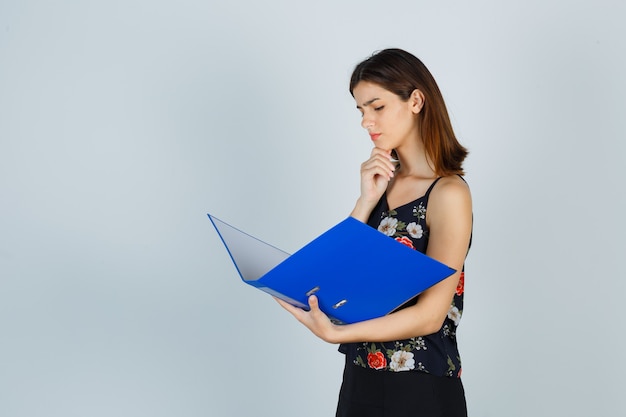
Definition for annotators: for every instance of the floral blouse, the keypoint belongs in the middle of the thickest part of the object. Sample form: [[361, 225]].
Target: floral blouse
[[436, 353]]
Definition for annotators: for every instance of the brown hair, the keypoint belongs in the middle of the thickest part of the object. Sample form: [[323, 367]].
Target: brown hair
[[401, 72]]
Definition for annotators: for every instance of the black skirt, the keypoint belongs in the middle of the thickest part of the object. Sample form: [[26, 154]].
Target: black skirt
[[370, 393]]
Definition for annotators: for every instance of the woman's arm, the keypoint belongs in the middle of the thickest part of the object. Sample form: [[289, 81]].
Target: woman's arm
[[449, 216]]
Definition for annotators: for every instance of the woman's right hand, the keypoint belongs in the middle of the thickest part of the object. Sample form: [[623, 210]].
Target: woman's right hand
[[376, 173]]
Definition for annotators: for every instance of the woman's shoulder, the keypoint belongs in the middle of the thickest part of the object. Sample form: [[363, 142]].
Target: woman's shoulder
[[451, 184], [451, 191]]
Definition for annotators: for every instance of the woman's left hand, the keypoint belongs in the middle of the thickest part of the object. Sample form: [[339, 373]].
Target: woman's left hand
[[314, 319]]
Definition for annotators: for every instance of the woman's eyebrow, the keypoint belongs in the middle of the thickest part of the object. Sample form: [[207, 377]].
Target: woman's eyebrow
[[367, 103]]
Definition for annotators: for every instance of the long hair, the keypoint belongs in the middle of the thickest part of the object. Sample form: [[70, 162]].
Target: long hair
[[401, 73]]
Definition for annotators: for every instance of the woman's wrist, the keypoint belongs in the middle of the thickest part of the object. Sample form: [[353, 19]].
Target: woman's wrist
[[362, 210]]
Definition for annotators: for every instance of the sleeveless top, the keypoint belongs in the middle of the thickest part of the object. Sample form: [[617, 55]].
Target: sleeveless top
[[436, 353]]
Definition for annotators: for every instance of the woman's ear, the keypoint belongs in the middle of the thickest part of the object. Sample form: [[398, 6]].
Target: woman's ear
[[416, 101]]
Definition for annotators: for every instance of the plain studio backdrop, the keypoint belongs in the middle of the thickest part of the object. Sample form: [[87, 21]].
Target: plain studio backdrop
[[122, 123]]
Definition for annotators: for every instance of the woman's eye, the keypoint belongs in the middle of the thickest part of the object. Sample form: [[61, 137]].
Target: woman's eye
[[379, 108]]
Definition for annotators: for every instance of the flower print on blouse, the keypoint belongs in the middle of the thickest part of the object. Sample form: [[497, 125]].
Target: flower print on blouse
[[436, 353]]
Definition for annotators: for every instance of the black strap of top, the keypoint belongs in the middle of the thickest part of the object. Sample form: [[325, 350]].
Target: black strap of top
[[430, 189]]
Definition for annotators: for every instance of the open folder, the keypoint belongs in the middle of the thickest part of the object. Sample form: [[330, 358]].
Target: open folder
[[357, 272]]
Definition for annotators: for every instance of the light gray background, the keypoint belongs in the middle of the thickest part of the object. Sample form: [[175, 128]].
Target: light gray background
[[123, 122]]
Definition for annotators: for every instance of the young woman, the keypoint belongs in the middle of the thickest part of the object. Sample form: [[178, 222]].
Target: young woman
[[406, 363]]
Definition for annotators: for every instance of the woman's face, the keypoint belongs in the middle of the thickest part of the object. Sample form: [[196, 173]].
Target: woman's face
[[389, 120]]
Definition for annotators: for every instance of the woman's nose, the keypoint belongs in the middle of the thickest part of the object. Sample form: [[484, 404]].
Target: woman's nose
[[367, 123]]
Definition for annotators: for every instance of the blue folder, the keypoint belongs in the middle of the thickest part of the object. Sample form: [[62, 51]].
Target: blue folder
[[357, 272]]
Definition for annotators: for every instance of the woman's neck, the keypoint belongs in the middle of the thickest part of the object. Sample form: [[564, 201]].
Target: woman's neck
[[414, 162]]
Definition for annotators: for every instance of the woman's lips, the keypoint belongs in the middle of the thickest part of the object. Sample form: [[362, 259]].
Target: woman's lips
[[374, 136]]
